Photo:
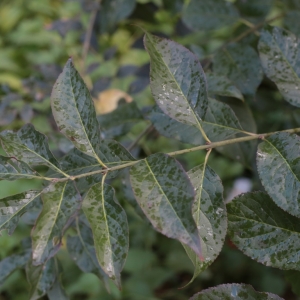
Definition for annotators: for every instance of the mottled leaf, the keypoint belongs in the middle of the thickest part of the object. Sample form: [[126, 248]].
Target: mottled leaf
[[119, 121], [280, 58], [263, 231], [207, 14], [278, 165], [220, 123], [13, 262], [82, 251], [29, 146], [234, 291], [40, 278], [12, 169], [177, 80], [112, 12], [240, 63], [209, 212], [74, 112], [222, 86], [110, 229], [166, 195], [61, 203], [13, 207]]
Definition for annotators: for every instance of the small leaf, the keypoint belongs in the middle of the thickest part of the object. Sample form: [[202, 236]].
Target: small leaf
[[113, 12], [12, 169], [110, 229], [278, 165], [177, 80], [220, 123], [166, 195], [222, 86], [234, 291], [207, 14], [209, 213], [13, 207], [82, 251], [280, 58], [74, 112], [41, 278], [13, 262], [29, 146], [263, 231], [61, 203], [119, 121], [240, 63]]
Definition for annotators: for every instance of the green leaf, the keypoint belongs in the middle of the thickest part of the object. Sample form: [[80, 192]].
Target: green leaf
[[13, 262], [293, 278], [29, 146], [240, 63], [74, 112], [220, 123], [234, 291], [112, 12], [254, 10], [119, 121], [209, 213], [222, 86], [40, 278], [291, 22], [166, 195], [177, 80], [278, 50], [110, 229], [82, 251], [263, 231], [13, 207], [61, 203], [12, 169], [278, 165], [207, 14]]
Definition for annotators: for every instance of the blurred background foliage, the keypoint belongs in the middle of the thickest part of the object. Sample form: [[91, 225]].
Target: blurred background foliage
[[105, 42]]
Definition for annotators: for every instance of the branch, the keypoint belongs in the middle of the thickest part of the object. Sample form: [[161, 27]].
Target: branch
[[202, 147]]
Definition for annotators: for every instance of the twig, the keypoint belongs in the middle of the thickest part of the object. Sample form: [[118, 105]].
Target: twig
[[87, 40], [140, 136]]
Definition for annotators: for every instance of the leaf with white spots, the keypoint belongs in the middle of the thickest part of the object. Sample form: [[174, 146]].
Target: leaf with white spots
[[278, 165], [280, 58], [165, 194], [61, 203], [209, 213], [110, 229], [263, 231]]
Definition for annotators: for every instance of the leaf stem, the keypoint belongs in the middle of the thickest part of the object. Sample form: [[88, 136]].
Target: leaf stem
[[140, 136]]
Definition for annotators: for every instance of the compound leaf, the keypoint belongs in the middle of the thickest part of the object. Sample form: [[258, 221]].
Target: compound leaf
[[12, 169], [240, 63], [280, 58], [110, 229], [234, 291], [13, 207], [209, 212], [29, 146], [74, 112], [61, 203], [207, 14], [177, 80], [263, 231], [166, 195], [82, 251], [278, 165]]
